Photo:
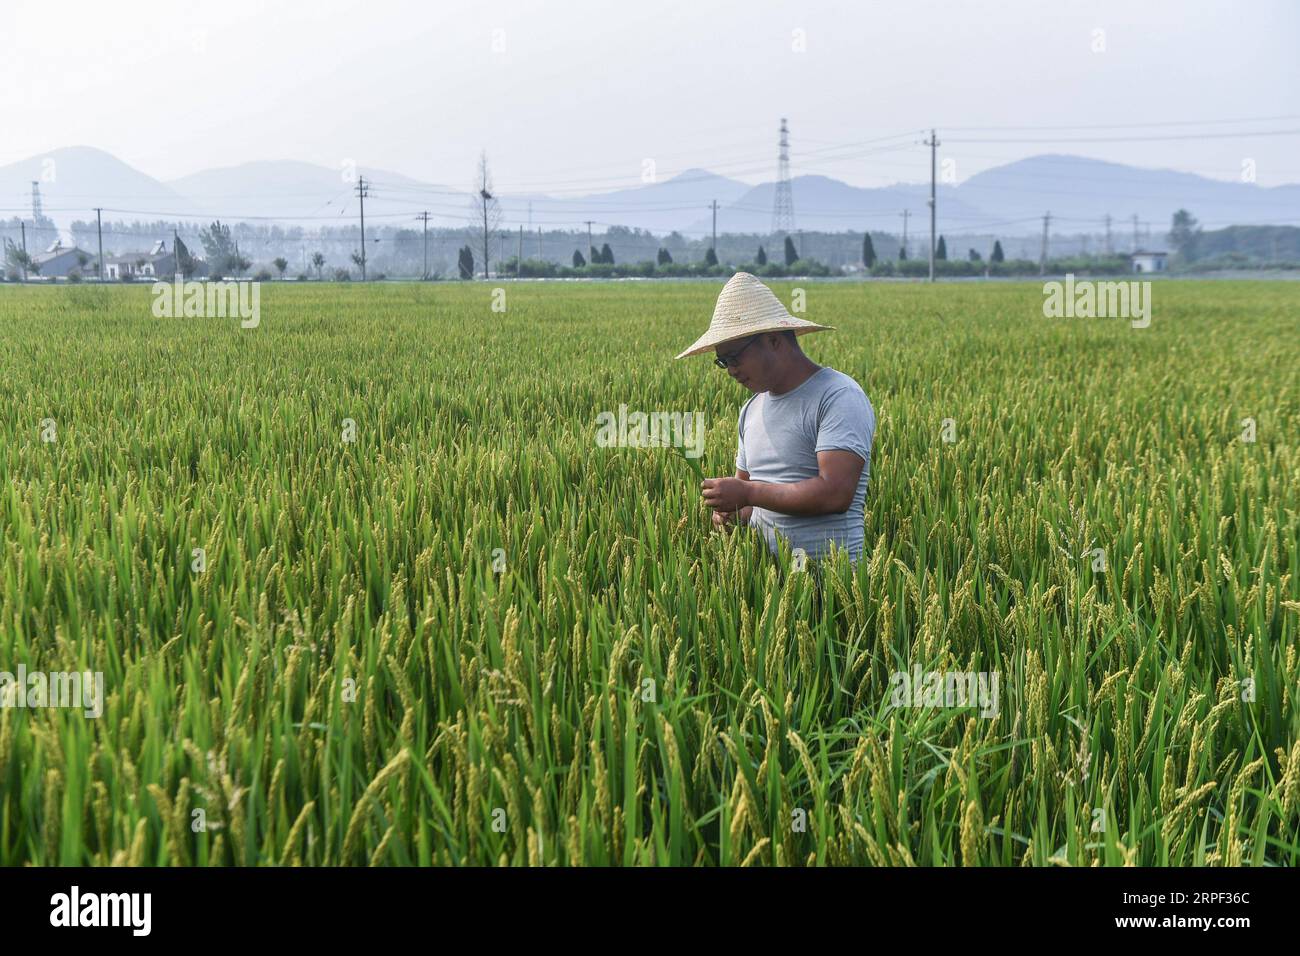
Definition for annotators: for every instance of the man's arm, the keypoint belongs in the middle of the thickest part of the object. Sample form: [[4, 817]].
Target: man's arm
[[831, 492], [723, 518]]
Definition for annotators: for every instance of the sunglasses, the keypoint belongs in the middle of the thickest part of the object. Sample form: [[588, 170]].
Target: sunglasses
[[732, 359]]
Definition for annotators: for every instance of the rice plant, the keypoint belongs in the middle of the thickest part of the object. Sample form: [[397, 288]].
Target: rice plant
[[365, 591]]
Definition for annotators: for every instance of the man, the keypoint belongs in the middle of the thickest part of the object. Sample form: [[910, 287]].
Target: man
[[805, 435]]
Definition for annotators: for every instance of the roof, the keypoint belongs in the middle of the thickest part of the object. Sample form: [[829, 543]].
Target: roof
[[1148, 252], [42, 257]]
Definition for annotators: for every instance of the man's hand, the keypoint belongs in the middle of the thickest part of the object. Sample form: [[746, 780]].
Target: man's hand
[[725, 494], [722, 519]]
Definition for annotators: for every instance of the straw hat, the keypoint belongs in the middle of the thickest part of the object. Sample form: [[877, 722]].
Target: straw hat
[[747, 307]]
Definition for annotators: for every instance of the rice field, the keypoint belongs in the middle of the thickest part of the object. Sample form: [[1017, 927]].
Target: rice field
[[365, 590]]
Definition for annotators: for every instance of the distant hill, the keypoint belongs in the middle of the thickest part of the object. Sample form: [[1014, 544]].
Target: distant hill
[[660, 207], [78, 178], [828, 205], [1008, 200], [311, 194], [1080, 192]]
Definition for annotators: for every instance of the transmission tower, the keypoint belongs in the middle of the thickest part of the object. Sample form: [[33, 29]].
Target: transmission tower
[[783, 204]]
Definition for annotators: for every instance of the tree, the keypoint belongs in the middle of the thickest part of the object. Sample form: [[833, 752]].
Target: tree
[[356, 259], [607, 254], [578, 261], [465, 262], [791, 254], [942, 251], [318, 261], [185, 263], [281, 263], [486, 208], [761, 258], [997, 255], [710, 257], [664, 257], [868, 251], [1184, 235], [219, 248], [18, 262], [902, 253], [974, 256]]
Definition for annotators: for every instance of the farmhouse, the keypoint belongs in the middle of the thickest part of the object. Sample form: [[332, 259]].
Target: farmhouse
[[1149, 261], [156, 262], [59, 260]]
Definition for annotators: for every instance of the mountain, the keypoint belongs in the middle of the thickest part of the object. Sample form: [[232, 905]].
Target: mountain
[[828, 205], [311, 195], [75, 179], [658, 207], [1007, 200], [314, 194], [1080, 192]]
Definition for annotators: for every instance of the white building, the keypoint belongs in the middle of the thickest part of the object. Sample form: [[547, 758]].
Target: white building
[[156, 262], [1149, 261]]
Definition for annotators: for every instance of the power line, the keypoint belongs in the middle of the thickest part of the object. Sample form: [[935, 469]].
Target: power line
[[1213, 122], [1140, 139]]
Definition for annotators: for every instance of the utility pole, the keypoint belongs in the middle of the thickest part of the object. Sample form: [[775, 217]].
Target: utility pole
[[906, 213], [539, 243], [933, 143], [800, 243], [783, 197], [1136, 245], [23, 225], [99, 231], [176, 250], [591, 252], [362, 191], [1109, 249], [424, 218], [1042, 259], [519, 263], [715, 227]]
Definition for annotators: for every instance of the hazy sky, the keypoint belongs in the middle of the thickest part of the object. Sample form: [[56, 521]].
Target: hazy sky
[[574, 96]]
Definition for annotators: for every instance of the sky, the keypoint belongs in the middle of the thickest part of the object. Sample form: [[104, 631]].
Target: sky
[[579, 97]]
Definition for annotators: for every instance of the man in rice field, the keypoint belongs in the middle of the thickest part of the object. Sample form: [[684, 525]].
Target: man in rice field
[[804, 452]]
